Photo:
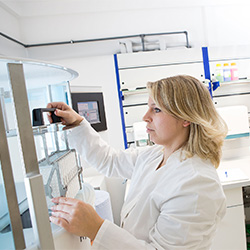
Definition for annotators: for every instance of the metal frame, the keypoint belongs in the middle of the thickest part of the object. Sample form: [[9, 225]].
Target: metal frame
[[9, 185], [141, 36], [33, 180]]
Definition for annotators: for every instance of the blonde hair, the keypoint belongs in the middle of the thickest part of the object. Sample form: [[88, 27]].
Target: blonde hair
[[187, 98]]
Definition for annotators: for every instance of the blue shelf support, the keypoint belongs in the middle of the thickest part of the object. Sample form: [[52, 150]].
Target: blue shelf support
[[212, 85], [120, 97], [207, 68]]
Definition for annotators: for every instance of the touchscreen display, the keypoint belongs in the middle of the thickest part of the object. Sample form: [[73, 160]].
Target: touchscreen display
[[89, 110]]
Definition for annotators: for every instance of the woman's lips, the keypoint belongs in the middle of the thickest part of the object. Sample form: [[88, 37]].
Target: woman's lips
[[149, 130]]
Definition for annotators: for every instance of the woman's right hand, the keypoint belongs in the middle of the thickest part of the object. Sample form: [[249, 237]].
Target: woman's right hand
[[66, 113]]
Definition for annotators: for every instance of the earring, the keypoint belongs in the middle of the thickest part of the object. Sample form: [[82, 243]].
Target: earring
[[186, 123]]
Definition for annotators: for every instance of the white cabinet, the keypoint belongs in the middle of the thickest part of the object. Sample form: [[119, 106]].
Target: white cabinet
[[136, 69], [231, 232]]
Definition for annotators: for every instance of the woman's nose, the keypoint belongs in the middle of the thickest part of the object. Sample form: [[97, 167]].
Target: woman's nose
[[146, 118]]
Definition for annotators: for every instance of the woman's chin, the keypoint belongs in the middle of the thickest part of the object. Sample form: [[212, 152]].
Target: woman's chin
[[152, 139]]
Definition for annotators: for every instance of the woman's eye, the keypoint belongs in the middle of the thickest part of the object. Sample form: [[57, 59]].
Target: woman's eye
[[157, 110]]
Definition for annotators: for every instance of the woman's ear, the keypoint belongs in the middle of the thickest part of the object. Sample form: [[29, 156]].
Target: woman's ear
[[186, 123]]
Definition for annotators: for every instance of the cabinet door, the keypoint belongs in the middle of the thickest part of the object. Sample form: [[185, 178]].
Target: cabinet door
[[231, 232], [134, 114]]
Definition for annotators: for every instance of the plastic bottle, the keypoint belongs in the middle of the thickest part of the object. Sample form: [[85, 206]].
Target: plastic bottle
[[226, 72], [219, 73], [234, 72]]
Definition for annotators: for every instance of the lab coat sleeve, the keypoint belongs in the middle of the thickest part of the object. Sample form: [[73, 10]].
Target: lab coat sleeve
[[112, 237], [98, 154]]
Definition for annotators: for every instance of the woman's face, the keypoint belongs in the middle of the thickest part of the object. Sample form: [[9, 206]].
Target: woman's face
[[163, 128]]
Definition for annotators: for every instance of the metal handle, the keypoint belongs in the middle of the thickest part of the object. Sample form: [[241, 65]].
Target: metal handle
[[37, 115]]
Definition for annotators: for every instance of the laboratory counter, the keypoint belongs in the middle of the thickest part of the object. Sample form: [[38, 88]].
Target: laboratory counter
[[235, 176]]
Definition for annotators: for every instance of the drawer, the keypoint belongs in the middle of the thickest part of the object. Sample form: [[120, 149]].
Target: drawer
[[134, 114], [234, 196]]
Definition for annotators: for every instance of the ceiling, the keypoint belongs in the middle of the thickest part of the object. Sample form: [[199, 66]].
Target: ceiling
[[33, 8]]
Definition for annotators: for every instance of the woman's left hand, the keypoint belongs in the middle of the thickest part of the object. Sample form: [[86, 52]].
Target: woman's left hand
[[76, 217]]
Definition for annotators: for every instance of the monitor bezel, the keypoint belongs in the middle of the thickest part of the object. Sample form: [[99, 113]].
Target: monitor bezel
[[91, 97]]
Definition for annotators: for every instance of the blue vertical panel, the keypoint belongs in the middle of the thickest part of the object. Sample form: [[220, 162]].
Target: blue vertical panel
[[120, 100], [206, 67]]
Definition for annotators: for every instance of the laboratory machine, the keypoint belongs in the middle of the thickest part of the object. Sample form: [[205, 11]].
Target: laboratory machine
[[37, 163]]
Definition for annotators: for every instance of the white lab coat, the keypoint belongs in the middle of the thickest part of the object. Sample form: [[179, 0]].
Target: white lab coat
[[177, 206]]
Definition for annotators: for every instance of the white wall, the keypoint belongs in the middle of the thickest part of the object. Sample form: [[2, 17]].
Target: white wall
[[10, 25], [99, 71], [228, 25], [110, 24], [211, 25]]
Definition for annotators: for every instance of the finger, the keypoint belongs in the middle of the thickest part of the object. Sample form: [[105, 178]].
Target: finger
[[59, 221], [49, 114], [56, 105], [61, 214], [62, 208], [49, 105], [49, 118], [64, 200], [63, 121], [59, 112]]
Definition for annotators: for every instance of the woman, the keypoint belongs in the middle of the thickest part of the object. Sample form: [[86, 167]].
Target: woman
[[175, 199]]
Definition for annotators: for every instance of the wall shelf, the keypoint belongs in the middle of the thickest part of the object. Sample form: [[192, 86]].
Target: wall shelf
[[134, 92], [240, 81]]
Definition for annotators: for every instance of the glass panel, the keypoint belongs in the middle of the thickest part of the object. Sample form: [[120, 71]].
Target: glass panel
[[59, 93], [51, 143], [6, 237]]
